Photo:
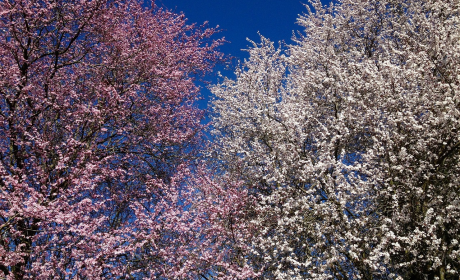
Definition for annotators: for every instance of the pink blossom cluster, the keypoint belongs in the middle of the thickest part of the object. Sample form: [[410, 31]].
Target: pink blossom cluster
[[98, 139]]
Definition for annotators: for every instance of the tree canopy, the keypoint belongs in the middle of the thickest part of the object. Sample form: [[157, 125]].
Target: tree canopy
[[98, 132], [348, 141], [335, 157]]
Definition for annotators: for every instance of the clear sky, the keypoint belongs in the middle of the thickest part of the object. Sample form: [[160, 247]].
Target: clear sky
[[241, 19]]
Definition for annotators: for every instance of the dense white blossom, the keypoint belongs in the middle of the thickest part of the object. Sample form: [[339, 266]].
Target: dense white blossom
[[349, 141]]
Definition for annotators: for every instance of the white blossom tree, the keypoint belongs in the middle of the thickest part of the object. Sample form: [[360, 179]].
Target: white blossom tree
[[349, 141]]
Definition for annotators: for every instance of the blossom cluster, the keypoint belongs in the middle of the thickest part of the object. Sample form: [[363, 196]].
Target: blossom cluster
[[349, 143]]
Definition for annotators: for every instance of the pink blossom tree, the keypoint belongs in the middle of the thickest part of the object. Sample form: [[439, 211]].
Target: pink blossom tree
[[98, 132], [350, 143]]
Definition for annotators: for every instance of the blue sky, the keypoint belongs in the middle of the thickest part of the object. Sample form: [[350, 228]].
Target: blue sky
[[241, 19]]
